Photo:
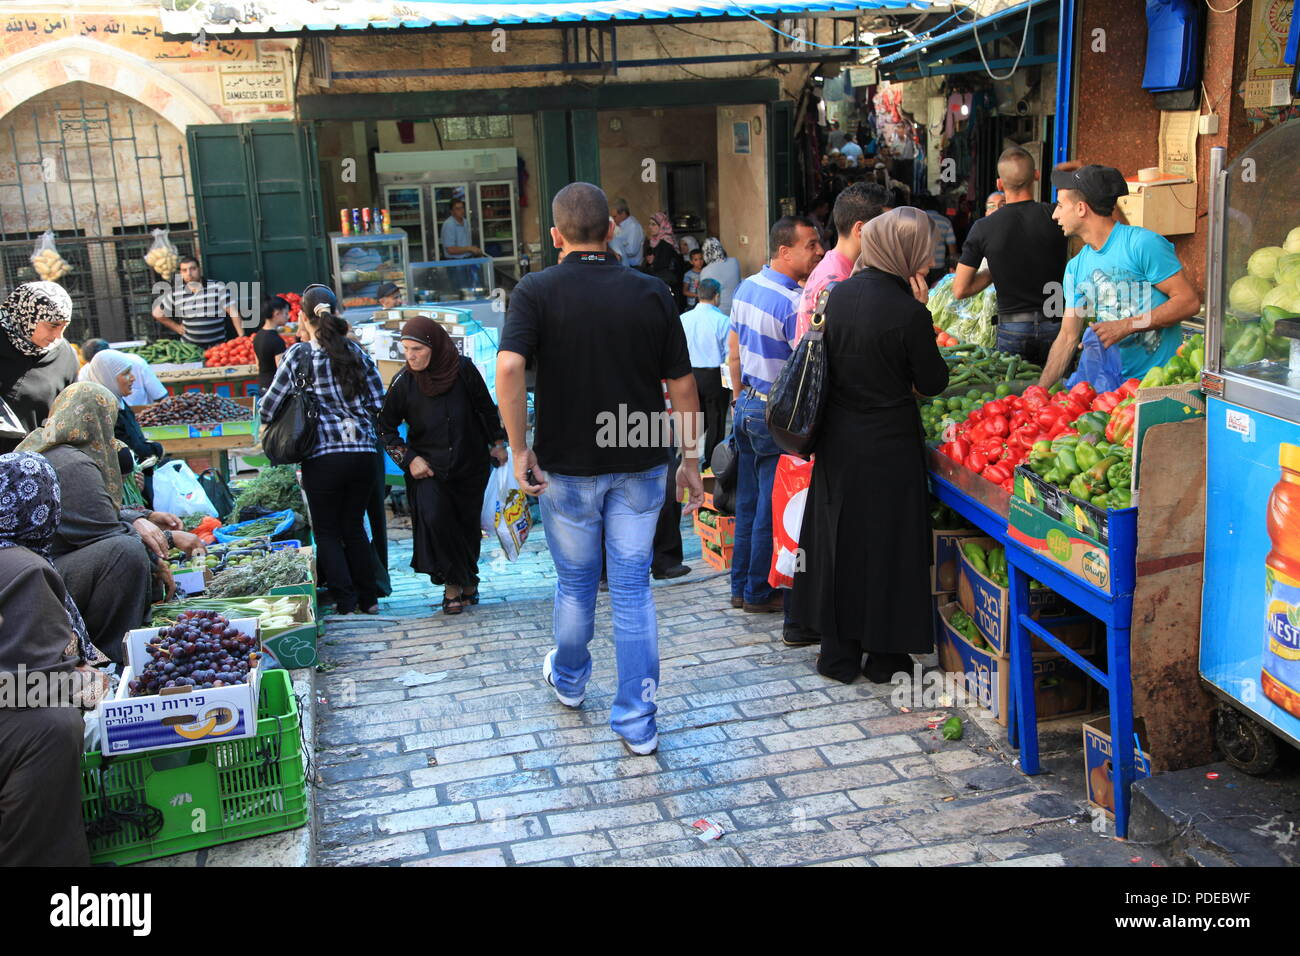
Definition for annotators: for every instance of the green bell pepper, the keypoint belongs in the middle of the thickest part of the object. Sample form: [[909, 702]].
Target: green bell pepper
[[1249, 348], [1086, 455], [1095, 477], [1154, 378], [1101, 501], [1079, 488], [975, 555], [1120, 498], [1064, 441], [1066, 462], [1197, 359], [1091, 423], [1120, 474]]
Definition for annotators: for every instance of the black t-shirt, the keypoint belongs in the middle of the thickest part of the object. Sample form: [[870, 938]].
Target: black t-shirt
[[267, 344], [1026, 251], [604, 337]]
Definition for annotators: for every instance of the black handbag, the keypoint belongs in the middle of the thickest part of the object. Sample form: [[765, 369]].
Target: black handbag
[[724, 465], [218, 492], [291, 435], [797, 397]]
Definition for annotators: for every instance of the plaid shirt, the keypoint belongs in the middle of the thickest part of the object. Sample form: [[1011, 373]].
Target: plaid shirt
[[344, 426]]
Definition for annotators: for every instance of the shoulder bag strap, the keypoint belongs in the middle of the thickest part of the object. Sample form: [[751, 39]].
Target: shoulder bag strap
[[819, 311]]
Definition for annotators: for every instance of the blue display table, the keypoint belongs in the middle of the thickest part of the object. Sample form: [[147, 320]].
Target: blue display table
[[1114, 610]]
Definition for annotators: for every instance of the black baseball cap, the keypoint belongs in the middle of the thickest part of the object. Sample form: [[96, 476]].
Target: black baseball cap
[[387, 289], [1100, 185]]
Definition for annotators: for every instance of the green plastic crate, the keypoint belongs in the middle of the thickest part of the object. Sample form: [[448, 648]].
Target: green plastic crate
[[172, 801]]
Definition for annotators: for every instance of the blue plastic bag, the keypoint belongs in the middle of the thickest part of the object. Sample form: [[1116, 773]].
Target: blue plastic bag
[[233, 532], [1099, 366]]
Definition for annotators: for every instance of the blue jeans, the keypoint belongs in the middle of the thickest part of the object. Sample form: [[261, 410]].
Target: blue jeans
[[757, 455], [1020, 334], [575, 511]]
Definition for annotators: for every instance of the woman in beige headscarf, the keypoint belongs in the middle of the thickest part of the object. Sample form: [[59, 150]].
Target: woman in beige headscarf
[[866, 530], [109, 556]]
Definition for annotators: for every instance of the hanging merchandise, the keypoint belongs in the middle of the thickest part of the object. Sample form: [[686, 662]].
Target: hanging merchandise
[[47, 262], [162, 256]]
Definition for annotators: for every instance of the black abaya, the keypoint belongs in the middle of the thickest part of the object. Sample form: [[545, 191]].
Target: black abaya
[[451, 432], [866, 530]]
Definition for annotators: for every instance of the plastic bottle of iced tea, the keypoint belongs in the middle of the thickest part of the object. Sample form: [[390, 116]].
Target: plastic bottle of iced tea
[[1281, 673]]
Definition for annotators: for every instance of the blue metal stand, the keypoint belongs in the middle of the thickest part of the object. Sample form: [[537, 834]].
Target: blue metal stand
[[1114, 610]]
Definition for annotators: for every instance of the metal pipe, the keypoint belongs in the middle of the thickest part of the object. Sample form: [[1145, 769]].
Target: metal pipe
[[139, 176], [1061, 138], [22, 193], [1216, 209], [45, 186], [583, 67]]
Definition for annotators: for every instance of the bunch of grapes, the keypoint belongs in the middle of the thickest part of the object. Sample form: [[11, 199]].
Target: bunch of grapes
[[201, 650]]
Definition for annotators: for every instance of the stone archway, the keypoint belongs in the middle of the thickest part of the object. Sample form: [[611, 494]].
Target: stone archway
[[66, 61]]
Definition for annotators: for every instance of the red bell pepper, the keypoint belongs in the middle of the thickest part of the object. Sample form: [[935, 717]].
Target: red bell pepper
[[1129, 388], [975, 415], [1026, 435], [1106, 402], [976, 462], [990, 448], [979, 432], [1083, 393], [995, 407], [1072, 409], [997, 425], [1009, 486], [1019, 417], [1120, 427], [997, 473], [1049, 415], [1035, 396]]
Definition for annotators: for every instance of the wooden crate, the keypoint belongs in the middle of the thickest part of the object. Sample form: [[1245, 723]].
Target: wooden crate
[[721, 562], [724, 535]]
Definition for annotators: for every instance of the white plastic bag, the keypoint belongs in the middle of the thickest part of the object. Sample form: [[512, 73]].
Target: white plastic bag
[[47, 262], [176, 490], [162, 256], [505, 510]]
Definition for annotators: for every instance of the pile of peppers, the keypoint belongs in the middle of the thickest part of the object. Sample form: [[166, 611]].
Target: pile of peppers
[[1000, 434]]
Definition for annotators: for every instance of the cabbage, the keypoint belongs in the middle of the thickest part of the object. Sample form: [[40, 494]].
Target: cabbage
[[1292, 243], [1285, 297], [1288, 269], [1247, 293], [1263, 261]]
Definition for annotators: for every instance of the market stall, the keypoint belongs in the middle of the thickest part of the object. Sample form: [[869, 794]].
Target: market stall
[[1040, 561], [1250, 626]]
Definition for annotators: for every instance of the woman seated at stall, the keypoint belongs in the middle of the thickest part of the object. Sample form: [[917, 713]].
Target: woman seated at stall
[[451, 421], [109, 557], [40, 746], [113, 370]]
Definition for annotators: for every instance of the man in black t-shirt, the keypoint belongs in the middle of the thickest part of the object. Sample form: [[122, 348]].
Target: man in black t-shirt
[[605, 339], [1026, 253]]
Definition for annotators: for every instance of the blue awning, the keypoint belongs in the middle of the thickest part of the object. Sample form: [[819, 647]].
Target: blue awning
[[954, 51], [301, 17]]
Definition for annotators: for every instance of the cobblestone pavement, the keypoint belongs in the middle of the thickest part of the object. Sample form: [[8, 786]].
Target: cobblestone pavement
[[440, 745]]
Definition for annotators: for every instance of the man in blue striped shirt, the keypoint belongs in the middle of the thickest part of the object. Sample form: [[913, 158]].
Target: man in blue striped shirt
[[764, 314]]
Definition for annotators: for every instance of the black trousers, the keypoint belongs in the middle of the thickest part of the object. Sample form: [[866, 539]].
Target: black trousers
[[668, 531], [378, 515], [338, 490], [713, 403]]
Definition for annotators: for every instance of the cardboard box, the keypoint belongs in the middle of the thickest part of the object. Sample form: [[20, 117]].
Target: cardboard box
[[295, 645], [945, 548], [1060, 688], [1097, 768], [989, 605], [179, 717], [1055, 541], [1161, 406], [1166, 207]]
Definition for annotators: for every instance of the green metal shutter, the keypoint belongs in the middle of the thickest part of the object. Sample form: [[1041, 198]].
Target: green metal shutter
[[552, 171], [257, 196], [781, 156]]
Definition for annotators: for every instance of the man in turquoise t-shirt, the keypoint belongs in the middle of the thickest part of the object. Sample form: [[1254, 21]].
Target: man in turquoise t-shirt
[[1126, 279]]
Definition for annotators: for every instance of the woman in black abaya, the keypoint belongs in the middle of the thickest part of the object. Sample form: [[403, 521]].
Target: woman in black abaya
[[866, 531], [451, 421]]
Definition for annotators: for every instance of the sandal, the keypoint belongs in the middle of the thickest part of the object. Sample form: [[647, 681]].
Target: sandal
[[470, 598], [453, 605]]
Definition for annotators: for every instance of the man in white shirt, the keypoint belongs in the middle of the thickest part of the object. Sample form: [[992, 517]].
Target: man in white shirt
[[629, 237], [147, 388], [706, 327]]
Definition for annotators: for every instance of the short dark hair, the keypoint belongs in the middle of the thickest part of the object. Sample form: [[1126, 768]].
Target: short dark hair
[[91, 346], [1016, 168], [581, 212], [272, 304], [185, 259], [708, 290], [784, 231], [457, 201], [860, 202]]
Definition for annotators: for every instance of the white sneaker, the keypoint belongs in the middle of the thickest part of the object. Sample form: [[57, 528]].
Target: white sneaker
[[547, 664], [641, 750]]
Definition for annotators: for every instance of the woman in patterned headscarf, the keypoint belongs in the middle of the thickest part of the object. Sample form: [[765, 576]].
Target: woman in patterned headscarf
[[102, 550], [722, 269], [661, 258], [35, 361], [40, 744]]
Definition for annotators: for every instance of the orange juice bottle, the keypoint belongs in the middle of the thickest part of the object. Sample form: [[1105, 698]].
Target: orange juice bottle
[[1281, 673]]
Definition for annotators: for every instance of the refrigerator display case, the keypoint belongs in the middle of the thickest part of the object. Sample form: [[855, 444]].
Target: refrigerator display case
[[361, 263], [1250, 611], [405, 205], [498, 228], [466, 284]]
